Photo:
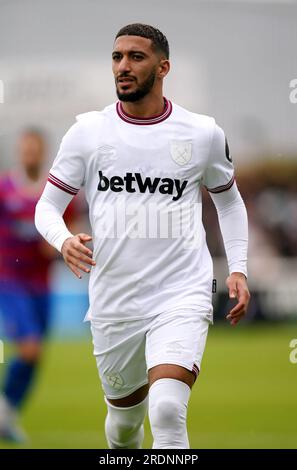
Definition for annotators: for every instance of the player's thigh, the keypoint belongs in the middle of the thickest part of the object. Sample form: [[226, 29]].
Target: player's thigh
[[119, 349], [171, 371], [177, 338], [133, 399]]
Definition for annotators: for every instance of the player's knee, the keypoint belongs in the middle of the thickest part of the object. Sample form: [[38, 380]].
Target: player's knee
[[30, 351], [120, 428], [124, 426], [166, 412], [168, 401]]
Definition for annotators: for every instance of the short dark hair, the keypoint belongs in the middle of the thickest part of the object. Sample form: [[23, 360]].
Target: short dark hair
[[159, 40]]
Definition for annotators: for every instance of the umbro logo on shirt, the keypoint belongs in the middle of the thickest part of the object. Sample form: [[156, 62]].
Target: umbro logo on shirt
[[133, 182]]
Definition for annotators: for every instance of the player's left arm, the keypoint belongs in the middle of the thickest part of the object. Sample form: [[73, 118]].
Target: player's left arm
[[220, 182]]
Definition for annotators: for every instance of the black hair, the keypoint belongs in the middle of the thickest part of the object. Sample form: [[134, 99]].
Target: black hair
[[159, 40]]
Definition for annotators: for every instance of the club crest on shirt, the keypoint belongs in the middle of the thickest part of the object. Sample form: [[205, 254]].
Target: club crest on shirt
[[181, 151]]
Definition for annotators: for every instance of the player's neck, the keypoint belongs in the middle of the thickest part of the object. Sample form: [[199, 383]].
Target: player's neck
[[146, 107]]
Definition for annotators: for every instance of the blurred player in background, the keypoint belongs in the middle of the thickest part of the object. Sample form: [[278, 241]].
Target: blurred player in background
[[150, 295], [25, 260]]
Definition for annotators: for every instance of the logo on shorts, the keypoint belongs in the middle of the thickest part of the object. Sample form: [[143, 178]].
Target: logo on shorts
[[174, 348], [115, 380], [181, 152]]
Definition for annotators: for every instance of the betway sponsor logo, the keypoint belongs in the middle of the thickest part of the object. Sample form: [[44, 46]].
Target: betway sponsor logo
[[136, 182]]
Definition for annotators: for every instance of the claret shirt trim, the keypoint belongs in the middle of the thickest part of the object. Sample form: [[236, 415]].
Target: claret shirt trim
[[145, 120]]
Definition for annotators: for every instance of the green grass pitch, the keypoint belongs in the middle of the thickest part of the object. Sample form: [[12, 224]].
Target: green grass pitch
[[245, 396]]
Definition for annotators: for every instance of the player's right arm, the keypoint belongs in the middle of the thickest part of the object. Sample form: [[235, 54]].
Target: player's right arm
[[65, 178]]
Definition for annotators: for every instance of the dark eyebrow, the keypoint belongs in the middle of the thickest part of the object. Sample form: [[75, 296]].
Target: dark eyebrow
[[130, 52], [136, 52]]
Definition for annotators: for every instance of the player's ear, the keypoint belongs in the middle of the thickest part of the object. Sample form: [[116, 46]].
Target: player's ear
[[164, 67]]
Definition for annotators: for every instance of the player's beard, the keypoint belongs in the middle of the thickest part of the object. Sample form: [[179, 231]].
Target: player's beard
[[141, 91]]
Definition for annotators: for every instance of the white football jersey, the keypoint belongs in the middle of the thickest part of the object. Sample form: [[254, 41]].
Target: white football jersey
[[142, 179]]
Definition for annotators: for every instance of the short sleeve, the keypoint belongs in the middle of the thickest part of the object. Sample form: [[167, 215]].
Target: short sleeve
[[218, 175], [68, 170]]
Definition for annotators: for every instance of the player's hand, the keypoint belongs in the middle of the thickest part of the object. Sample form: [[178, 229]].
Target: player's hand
[[238, 288], [76, 254]]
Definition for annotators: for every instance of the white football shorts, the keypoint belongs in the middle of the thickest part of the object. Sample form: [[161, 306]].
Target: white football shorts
[[125, 351]]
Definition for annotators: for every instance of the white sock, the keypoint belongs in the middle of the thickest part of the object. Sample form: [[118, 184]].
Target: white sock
[[9, 426], [8, 413], [168, 402], [124, 425]]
